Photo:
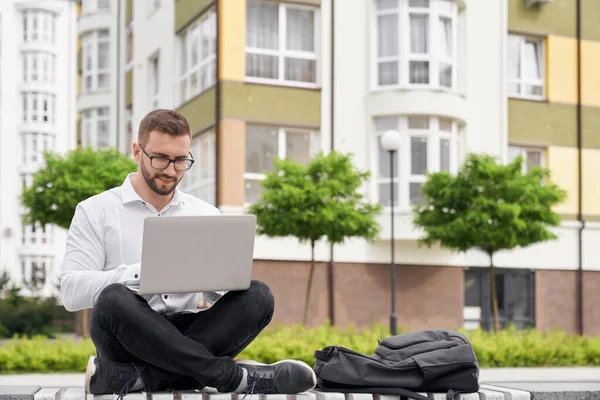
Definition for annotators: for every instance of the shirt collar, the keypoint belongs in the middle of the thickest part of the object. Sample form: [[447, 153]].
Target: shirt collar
[[129, 195]]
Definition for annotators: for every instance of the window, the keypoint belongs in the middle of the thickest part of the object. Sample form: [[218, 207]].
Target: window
[[93, 6], [515, 290], [26, 180], [265, 143], [38, 108], [281, 43], [35, 269], [416, 43], [428, 144], [33, 146], [198, 57], [154, 82], [95, 128], [96, 63], [525, 67], [39, 26], [200, 180], [38, 67], [532, 157], [36, 234]]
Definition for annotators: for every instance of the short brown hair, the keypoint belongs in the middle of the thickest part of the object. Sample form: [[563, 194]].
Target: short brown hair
[[167, 121]]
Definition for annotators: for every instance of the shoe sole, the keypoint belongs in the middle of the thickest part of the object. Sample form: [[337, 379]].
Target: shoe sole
[[298, 362], [89, 372]]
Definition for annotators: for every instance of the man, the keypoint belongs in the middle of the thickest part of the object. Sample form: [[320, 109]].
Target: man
[[158, 342]]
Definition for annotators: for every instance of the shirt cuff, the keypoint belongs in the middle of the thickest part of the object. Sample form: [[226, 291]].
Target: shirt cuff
[[213, 297], [131, 274]]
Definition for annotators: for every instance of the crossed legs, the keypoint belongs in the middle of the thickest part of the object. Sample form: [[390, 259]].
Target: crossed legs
[[182, 351]]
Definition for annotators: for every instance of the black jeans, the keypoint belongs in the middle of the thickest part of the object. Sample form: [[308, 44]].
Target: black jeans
[[182, 351]]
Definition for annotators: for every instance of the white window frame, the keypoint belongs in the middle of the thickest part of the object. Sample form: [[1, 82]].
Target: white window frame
[[90, 48], [90, 127], [154, 84], [282, 52], [33, 71], [33, 146], [95, 6], [27, 262], [404, 177], [39, 26], [523, 150], [200, 180], [208, 64], [404, 55], [33, 104], [315, 147], [522, 82], [34, 234]]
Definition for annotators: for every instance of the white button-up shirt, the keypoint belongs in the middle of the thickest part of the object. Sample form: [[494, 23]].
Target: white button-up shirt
[[104, 246]]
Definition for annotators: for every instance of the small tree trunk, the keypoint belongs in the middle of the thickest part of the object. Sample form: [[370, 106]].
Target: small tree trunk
[[310, 280], [494, 296]]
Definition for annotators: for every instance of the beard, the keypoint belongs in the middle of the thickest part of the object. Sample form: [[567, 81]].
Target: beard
[[159, 187]]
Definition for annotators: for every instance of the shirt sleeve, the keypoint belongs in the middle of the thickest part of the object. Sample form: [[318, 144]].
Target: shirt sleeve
[[83, 276]]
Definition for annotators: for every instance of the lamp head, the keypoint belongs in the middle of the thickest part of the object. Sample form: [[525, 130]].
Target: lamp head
[[391, 140]]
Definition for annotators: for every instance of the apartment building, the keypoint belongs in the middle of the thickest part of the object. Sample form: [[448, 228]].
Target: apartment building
[[259, 79], [37, 108]]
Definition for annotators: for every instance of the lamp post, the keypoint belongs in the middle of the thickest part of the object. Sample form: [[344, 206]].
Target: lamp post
[[390, 141]]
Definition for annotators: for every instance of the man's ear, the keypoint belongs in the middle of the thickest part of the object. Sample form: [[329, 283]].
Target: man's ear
[[137, 152]]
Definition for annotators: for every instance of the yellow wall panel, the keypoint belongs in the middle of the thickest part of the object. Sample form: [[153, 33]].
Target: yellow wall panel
[[562, 69], [591, 183], [590, 77], [232, 45], [232, 162], [562, 162]]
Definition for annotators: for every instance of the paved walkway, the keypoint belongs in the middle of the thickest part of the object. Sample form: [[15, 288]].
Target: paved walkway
[[505, 376]]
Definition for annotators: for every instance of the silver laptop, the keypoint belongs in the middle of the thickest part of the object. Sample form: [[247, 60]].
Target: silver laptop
[[197, 253]]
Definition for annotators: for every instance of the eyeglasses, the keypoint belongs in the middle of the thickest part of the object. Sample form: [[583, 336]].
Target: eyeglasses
[[161, 162]]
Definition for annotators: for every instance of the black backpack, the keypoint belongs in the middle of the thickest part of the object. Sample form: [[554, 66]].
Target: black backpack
[[424, 361]]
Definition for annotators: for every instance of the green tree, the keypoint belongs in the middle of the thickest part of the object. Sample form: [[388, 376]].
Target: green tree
[[67, 180], [488, 206], [313, 202]]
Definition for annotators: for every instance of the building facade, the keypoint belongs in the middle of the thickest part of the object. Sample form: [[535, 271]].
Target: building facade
[[37, 106], [259, 79]]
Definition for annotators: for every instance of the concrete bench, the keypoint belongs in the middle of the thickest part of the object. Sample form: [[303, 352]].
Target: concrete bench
[[486, 392]]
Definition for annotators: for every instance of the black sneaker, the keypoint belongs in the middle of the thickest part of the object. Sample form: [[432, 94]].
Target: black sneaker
[[283, 377], [107, 377]]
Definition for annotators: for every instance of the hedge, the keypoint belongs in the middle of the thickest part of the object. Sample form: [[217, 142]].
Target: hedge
[[508, 348]]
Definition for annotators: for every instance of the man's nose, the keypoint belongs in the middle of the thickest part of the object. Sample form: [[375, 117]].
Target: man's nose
[[171, 169]]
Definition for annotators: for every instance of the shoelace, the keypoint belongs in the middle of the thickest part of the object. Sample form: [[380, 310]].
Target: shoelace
[[259, 383], [129, 380]]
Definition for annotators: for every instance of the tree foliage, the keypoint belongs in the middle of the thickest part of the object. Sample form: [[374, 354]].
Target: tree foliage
[[67, 180], [318, 201], [488, 206]]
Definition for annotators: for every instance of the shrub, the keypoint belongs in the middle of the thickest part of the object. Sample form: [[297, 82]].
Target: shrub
[[30, 316], [507, 348]]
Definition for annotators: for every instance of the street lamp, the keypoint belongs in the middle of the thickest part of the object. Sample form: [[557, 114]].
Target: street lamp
[[390, 141]]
